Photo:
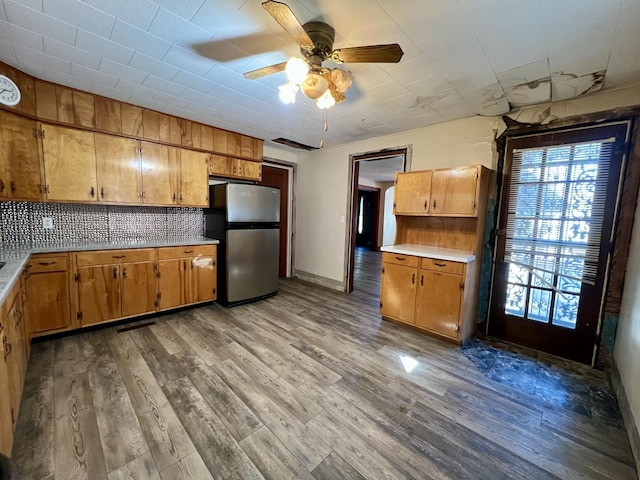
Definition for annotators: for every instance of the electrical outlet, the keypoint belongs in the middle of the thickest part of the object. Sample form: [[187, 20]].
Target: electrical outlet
[[47, 223]]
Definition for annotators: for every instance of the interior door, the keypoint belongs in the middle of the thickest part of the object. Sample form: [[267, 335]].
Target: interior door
[[279, 178], [556, 219], [118, 167]]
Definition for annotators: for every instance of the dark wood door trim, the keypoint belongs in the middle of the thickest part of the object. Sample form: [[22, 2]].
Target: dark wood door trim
[[273, 176]]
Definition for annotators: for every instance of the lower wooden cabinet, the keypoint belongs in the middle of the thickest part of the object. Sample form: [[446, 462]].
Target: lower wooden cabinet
[[427, 293], [189, 277], [48, 304], [139, 288], [98, 294], [13, 364]]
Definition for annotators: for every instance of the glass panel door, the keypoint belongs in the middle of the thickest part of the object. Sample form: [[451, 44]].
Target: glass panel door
[[556, 215]]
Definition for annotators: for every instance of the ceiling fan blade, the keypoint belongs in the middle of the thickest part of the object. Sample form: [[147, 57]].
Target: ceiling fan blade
[[287, 20], [391, 53], [264, 71]]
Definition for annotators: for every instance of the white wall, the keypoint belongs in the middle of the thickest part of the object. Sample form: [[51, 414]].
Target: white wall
[[389, 223], [627, 349], [323, 175]]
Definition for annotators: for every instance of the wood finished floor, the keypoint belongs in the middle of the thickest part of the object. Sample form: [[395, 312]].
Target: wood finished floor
[[308, 384]]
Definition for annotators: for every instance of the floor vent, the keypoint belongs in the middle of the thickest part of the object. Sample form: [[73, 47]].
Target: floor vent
[[293, 144], [135, 327]]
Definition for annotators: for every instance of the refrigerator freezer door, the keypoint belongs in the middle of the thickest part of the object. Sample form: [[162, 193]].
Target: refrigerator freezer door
[[252, 263], [252, 203]]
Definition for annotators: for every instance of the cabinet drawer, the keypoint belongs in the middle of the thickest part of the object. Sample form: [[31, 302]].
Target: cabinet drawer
[[107, 257], [408, 260], [187, 251], [442, 266], [48, 264]]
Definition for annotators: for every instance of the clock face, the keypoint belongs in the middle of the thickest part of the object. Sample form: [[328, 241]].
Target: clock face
[[9, 92]]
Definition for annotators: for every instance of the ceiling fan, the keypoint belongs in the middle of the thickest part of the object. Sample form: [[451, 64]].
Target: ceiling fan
[[325, 85]]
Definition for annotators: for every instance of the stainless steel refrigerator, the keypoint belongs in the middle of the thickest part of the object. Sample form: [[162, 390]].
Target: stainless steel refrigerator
[[246, 220]]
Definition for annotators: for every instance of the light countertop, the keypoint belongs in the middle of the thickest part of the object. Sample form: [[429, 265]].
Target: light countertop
[[437, 253], [15, 257]]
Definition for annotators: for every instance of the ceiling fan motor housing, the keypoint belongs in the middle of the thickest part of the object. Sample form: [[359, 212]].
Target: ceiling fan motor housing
[[322, 36]]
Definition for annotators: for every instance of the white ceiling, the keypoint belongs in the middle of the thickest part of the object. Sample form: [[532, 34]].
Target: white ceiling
[[381, 170], [186, 57]]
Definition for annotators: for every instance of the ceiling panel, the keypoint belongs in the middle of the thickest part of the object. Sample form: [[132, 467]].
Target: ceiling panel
[[461, 57]]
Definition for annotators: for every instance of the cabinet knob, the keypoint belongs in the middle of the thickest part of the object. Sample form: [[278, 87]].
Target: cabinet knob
[[174, 198], [115, 273], [413, 278], [425, 204], [422, 280], [93, 192], [434, 204], [402, 259], [102, 192], [124, 272], [438, 264], [2, 186]]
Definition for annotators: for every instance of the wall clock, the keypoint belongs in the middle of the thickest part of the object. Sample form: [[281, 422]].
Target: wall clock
[[9, 92]]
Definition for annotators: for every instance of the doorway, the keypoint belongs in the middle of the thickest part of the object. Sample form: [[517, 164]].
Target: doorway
[[278, 177], [555, 235], [372, 173]]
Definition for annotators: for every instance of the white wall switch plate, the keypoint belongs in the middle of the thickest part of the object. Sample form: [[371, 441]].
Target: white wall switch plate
[[47, 223]]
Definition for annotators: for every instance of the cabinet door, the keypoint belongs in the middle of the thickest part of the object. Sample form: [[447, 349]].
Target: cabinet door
[[249, 170], [6, 413], [15, 361], [221, 166], [172, 284], [118, 167], [99, 294], [48, 304], [139, 288], [453, 192], [20, 169], [159, 174], [203, 279], [438, 303], [194, 179], [412, 193], [398, 292], [69, 164]]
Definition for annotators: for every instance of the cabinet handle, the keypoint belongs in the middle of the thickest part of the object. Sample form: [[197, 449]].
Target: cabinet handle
[[434, 204], [174, 198], [425, 204], [413, 278], [143, 195], [13, 187], [93, 192], [119, 256], [115, 273], [180, 198], [2, 186], [45, 264], [124, 272], [102, 192], [402, 259], [18, 316], [7, 347], [184, 264], [437, 264], [188, 251], [422, 280]]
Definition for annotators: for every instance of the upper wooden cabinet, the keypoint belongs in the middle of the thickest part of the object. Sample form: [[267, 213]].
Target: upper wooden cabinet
[[20, 169], [412, 193], [455, 191], [159, 174], [233, 167], [448, 192], [69, 164], [194, 179], [118, 169]]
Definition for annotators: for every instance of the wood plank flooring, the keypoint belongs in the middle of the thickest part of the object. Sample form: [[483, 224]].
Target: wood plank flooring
[[308, 384]]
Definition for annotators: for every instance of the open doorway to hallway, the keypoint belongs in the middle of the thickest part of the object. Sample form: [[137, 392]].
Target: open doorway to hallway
[[373, 223]]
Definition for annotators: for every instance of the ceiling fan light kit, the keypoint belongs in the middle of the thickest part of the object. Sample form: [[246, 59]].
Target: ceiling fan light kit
[[326, 86]]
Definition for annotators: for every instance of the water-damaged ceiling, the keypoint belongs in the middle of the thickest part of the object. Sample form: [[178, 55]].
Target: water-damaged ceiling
[[461, 58]]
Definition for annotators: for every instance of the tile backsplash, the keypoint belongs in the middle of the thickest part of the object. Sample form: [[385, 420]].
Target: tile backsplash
[[21, 223]]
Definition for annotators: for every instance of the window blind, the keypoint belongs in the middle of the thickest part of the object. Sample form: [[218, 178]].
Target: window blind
[[556, 211]]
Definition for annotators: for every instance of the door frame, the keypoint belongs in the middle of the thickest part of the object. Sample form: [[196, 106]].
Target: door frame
[[365, 188], [291, 168], [352, 198]]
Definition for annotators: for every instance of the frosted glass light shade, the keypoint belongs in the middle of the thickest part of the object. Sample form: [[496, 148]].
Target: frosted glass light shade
[[297, 70], [287, 92], [326, 100], [314, 86]]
